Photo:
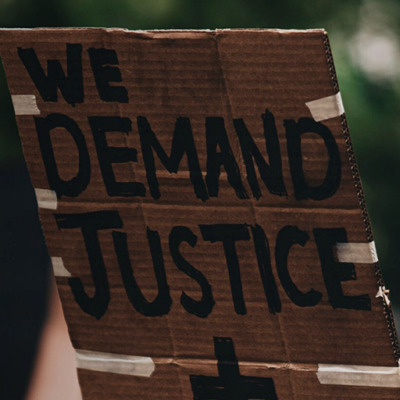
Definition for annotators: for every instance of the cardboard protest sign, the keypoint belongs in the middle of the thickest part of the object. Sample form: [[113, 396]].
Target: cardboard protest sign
[[202, 206]]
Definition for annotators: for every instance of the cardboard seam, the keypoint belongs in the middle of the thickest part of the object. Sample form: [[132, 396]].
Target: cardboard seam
[[139, 203], [140, 206], [388, 313], [282, 366], [242, 168], [238, 153], [124, 202], [187, 362]]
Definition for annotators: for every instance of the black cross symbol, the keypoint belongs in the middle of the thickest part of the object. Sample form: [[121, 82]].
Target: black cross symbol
[[230, 385]]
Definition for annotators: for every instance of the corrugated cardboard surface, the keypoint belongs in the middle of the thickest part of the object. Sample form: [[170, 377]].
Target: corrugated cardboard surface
[[197, 75]]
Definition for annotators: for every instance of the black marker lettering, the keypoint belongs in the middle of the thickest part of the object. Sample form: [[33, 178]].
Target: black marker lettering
[[161, 305], [333, 174], [90, 223], [270, 174], [182, 142], [216, 136], [202, 307], [334, 272], [264, 265], [287, 237], [108, 155], [228, 234], [71, 86], [230, 384], [101, 61], [78, 183]]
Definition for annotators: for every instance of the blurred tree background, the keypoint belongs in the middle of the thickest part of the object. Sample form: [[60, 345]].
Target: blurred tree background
[[365, 39]]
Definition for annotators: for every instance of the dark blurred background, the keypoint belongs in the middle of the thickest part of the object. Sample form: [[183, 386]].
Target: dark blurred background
[[365, 41]]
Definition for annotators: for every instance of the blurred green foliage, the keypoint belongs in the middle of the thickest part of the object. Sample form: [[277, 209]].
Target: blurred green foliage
[[365, 39]]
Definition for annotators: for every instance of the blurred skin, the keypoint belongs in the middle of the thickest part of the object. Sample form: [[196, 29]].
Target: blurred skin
[[55, 376]]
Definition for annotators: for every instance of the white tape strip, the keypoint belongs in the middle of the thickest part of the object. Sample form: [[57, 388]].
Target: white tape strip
[[384, 293], [327, 107], [115, 363], [358, 253], [25, 104], [46, 198], [359, 375], [59, 268]]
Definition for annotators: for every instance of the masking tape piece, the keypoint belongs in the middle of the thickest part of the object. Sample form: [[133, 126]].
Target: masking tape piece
[[115, 363], [359, 375], [25, 104], [384, 293], [358, 253], [59, 268], [327, 107], [46, 198]]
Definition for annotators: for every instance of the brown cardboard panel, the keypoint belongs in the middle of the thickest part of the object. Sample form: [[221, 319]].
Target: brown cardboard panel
[[192, 248]]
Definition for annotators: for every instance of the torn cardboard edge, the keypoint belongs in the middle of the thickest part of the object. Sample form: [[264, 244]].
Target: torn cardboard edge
[[164, 31], [387, 309], [172, 33]]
